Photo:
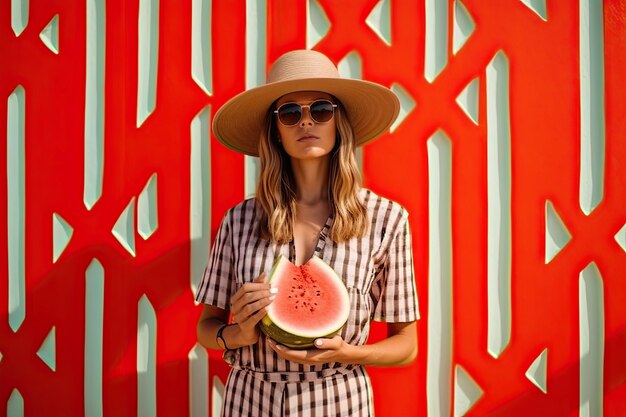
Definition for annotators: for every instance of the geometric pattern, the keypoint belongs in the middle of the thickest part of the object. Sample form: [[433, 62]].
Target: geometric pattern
[[19, 15], [50, 35], [147, 58], [537, 6], [463, 26], [436, 39], [620, 237], [499, 223], [379, 20], [47, 350], [147, 216], [537, 371], [16, 206], [15, 405], [557, 235], [592, 105], [468, 100], [146, 358], [511, 168], [93, 339], [61, 235], [201, 54], [466, 392], [407, 105], [317, 23], [217, 396], [351, 66], [592, 340], [93, 134], [124, 228], [440, 310], [199, 195], [198, 381]]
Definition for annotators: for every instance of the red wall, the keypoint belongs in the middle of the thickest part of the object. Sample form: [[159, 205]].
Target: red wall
[[545, 126]]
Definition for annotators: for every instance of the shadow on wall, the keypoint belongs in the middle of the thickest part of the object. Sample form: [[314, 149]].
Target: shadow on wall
[[533, 402], [142, 317]]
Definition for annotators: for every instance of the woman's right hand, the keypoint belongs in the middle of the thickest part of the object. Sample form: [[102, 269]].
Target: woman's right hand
[[249, 306]]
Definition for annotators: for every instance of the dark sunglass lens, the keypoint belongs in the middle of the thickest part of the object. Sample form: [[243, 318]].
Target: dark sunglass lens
[[322, 111], [289, 114]]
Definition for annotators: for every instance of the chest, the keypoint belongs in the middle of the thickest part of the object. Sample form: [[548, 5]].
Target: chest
[[309, 235]]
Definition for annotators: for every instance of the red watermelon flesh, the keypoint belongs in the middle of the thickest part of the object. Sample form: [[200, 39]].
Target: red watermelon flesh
[[312, 302]]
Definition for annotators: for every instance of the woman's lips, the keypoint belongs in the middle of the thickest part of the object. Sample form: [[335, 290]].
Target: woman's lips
[[308, 138]]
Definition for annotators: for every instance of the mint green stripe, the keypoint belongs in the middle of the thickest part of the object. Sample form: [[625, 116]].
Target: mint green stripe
[[256, 50], [19, 16], [94, 319], [146, 358], [16, 222], [592, 118], [201, 49], [94, 102], [198, 381], [147, 60], [256, 57], [591, 330], [499, 207], [317, 23], [199, 194], [147, 209], [15, 404], [439, 362], [436, 48], [217, 396]]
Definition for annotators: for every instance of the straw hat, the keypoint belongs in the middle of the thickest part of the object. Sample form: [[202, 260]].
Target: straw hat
[[371, 107]]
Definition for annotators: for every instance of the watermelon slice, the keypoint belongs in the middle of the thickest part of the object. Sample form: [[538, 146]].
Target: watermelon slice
[[312, 302]]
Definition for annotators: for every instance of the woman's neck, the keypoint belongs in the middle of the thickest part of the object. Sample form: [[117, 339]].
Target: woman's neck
[[311, 177]]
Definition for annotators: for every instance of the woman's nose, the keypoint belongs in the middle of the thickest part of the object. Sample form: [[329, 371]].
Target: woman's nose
[[306, 119]]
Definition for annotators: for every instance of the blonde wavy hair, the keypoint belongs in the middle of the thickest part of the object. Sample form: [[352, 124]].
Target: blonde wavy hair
[[276, 189]]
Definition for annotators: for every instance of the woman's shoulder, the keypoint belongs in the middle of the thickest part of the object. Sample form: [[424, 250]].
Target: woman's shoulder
[[246, 204], [244, 209], [379, 206]]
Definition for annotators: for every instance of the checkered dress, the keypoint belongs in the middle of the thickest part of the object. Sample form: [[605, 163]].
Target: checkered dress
[[378, 272]]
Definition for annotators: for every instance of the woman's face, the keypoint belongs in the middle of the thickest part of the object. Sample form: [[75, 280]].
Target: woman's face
[[307, 139]]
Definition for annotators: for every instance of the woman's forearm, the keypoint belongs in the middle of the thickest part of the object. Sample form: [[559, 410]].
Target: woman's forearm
[[207, 332], [400, 348], [232, 335]]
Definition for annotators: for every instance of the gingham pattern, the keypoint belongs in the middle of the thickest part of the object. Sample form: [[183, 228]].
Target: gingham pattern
[[343, 394], [378, 272]]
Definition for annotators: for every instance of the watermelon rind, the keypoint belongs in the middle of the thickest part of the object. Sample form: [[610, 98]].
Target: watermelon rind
[[272, 326]]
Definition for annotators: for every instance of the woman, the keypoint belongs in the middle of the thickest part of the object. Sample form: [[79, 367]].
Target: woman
[[304, 124]]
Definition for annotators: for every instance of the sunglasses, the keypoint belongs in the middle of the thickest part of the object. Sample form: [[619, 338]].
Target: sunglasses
[[290, 114]]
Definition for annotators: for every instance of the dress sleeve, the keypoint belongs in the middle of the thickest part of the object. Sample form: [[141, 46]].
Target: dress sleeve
[[217, 282], [393, 291]]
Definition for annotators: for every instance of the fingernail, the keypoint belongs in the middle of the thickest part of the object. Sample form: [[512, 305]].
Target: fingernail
[[272, 297], [274, 290], [318, 342]]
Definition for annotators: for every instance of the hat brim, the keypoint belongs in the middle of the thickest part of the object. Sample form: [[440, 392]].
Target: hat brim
[[371, 109]]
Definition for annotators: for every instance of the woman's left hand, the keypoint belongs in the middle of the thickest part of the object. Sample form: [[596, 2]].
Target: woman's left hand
[[399, 348], [325, 351]]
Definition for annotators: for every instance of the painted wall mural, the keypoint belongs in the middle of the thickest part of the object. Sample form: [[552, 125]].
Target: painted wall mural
[[509, 154]]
